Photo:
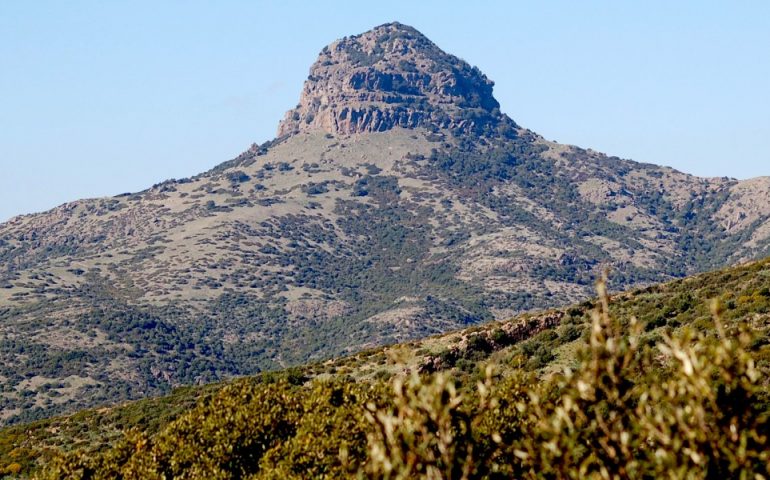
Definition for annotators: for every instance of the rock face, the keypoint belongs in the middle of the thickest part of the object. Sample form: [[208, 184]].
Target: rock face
[[392, 76]]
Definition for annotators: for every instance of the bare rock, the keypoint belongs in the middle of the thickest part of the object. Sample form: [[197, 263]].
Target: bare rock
[[392, 76]]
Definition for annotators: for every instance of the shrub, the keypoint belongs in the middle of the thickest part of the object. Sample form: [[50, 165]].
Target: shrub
[[628, 413], [683, 405], [427, 433], [691, 407]]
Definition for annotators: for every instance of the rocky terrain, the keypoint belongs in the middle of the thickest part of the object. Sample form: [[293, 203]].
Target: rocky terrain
[[396, 202], [391, 77]]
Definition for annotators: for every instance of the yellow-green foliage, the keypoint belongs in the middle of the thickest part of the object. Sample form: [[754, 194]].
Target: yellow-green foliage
[[329, 439], [247, 430], [690, 408], [691, 404], [219, 439], [428, 433]]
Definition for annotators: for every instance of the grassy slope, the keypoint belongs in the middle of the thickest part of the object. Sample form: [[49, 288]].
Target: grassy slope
[[543, 342]]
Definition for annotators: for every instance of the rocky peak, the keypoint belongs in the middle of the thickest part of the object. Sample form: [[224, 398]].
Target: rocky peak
[[392, 76]]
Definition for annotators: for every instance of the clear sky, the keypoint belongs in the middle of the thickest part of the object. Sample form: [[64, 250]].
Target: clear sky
[[100, 98]]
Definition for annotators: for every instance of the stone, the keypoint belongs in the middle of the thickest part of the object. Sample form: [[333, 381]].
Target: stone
[[392, 76]]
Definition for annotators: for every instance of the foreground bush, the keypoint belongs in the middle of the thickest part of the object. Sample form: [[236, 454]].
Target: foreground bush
[[691, 405]]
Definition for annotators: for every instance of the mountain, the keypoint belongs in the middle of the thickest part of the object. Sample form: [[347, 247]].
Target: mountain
[[396, 202], [322, 404]]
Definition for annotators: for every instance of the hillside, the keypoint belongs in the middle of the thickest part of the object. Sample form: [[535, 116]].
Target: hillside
[[534, 348], [397, 202]]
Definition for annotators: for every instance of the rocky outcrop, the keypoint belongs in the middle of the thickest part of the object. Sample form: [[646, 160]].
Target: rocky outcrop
[[393, 76], [491, 340]]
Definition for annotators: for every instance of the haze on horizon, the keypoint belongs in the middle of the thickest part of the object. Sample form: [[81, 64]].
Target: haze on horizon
[[100, 99]]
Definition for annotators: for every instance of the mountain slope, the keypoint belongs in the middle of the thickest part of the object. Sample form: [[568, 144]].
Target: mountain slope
[[543, 343], [396, 203]]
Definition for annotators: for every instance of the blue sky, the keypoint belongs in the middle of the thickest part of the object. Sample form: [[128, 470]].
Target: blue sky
[[99, 98]]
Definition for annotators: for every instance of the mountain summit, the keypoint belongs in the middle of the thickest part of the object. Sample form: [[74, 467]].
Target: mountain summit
[[392, 76], [396, 203]]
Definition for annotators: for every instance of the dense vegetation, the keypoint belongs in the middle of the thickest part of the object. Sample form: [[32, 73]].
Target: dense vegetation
[[657, 381]]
